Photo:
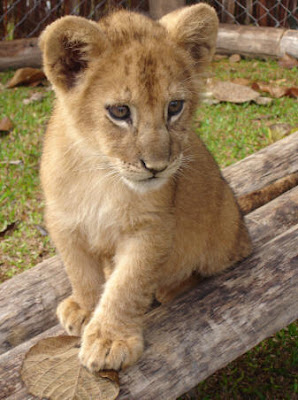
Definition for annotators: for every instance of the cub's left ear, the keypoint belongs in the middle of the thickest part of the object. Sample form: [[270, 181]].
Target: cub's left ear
[[194, 28], [68, 46]]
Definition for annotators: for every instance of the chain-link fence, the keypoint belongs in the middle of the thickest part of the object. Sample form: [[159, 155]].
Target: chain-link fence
[[27, 18]]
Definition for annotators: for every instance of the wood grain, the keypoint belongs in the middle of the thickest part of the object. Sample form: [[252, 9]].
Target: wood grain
[[35, 294], [19, 53], [264, 167], [257, 41]]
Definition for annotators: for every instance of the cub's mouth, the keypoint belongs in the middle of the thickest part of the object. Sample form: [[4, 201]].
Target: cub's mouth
[[143, 181], [144, 185]]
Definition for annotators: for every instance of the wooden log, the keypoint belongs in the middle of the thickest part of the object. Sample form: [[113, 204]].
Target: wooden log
[[245, 40], [19, 54], [37, 292], [264, 167], [202, 331], [255, 41], [158, 8]]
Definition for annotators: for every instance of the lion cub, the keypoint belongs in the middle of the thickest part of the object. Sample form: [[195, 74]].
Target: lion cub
[[134, 201]]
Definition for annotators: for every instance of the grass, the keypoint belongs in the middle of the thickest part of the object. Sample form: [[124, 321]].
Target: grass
[[20, 195], [230, 131]]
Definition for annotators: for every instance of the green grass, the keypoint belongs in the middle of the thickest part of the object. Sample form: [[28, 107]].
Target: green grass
[[20, 194], [231, 132]]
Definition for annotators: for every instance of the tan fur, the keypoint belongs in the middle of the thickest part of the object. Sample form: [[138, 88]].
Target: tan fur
[[122, 236]]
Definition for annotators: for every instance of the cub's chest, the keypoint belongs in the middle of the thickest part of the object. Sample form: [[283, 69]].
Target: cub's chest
[[103, 223]]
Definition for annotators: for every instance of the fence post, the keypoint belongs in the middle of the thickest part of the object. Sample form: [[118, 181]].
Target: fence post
[[158, 8]]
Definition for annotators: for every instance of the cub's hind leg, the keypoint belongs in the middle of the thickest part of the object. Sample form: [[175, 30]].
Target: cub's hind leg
[[166, 294]]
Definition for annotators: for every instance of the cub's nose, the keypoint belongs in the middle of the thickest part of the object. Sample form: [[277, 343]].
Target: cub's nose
[[154, 166]]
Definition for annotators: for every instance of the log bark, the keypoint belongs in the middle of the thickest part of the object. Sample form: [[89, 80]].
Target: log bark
[[264, 167], [158, 8], [202, 331], [19, 54], [248, 41], [37, 292], [258, 42]]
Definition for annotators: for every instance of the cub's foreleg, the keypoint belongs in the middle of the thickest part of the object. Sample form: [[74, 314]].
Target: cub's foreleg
[[113, 338], [86, 277]]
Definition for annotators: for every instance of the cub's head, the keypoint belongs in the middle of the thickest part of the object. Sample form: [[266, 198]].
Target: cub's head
[[128, 86]]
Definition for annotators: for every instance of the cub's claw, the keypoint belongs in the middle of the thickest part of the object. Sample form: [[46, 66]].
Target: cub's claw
[[72, 317], [100, 352]]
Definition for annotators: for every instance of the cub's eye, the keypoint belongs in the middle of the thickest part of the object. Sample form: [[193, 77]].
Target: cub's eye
[[119, 112], [175, 107]]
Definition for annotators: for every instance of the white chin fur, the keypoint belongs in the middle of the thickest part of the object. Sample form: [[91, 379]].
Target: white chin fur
[[144, 186]]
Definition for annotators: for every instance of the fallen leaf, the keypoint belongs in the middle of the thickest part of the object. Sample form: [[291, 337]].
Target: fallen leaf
[[232, 92], [27, 77], [38, 96], [263, 101], [12, 162], [292, 92], [242, 81], [234, 58], [51, 369], [278, 131], [262, 117], [9, 228], [42, 230], [6, 125], [274, 91], [288, 62], [219, 57]]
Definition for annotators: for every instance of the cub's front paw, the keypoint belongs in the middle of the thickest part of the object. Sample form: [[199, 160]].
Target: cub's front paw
[[72, 317], [102, 350]]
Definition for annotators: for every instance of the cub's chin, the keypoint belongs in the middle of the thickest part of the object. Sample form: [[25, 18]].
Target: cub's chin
[[145, 185]]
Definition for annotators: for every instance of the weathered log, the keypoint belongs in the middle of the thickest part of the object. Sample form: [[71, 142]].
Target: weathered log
[[245, 40], [37, 292], [270, 221], [19, 53], [205, 329], [256, 41], [264, 167]]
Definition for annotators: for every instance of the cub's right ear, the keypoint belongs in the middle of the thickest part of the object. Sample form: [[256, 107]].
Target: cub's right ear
[[68, 45]]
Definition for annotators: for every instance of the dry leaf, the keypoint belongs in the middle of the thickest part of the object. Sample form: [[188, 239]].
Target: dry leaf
[[235, 58], [27, 77], [263, 101], [219, 57], [34, 97], [278, 131], [293, 92], [274, 91], [9, 228], [288, 62], [52, 370], [242, 81], [232, 92], [6, 125]]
